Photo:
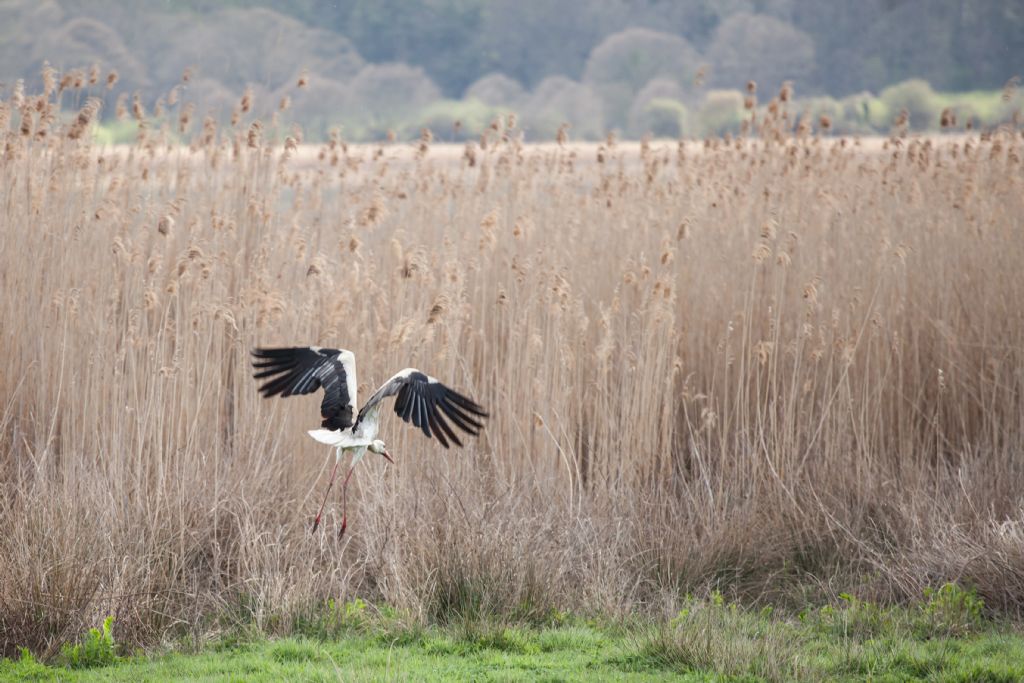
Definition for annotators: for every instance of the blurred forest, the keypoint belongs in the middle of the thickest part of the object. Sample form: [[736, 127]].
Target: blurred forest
[[665, 67]]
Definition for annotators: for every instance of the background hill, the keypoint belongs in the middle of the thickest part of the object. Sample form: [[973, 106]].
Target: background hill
[[633, 65]]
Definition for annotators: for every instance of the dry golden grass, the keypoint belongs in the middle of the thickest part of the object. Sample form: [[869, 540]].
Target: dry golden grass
[[780, 368]]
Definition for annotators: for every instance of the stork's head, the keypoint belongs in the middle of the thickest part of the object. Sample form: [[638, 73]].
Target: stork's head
[[378, 447]]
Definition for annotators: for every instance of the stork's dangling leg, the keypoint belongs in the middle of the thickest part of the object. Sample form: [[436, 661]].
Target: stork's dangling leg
[[344, 502], [344, 490], [337, 461]]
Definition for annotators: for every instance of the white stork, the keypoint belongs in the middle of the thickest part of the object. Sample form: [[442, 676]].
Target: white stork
[[421, 400]]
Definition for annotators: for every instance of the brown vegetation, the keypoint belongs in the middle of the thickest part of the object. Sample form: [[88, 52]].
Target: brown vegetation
[[779, 367]]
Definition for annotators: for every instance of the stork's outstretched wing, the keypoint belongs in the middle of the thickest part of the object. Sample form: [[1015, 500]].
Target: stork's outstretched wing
[[422, 400], [303, 370]]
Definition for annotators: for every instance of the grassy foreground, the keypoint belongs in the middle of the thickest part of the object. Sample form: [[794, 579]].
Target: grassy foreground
[[945, 638]]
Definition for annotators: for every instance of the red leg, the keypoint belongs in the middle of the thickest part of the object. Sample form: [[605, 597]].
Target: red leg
[[344, 503], [316, 522]]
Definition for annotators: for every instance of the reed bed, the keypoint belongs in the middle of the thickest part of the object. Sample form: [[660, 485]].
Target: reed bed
[[780, 367]]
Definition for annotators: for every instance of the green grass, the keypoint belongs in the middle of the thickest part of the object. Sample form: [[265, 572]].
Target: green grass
[[945, 638], [560, 654]]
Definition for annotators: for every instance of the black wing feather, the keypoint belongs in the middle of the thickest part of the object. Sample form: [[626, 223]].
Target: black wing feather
[[463, 402], [441, 428], [303, 370], [461, 420], [425, 402], [422, 415], [407, 408]]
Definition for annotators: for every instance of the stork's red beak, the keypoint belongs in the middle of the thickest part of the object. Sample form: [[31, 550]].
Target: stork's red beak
[[387, 456]]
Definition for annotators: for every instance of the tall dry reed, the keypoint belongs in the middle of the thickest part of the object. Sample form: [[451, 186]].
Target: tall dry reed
[[782, 367]]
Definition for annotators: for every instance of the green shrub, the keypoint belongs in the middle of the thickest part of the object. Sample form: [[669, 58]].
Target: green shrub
[[949, 611], [859, 112], [816, 107], [96, 649], [25, 668], [918, 99], [854, 619], [326, 621], [663, 118], [113, 132], [721, 112], [473, 116]]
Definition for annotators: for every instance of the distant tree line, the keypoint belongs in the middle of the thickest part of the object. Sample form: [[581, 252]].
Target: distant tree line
[[634, 65]]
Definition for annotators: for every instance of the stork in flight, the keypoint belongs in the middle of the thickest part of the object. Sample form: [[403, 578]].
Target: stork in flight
[[421, 400]]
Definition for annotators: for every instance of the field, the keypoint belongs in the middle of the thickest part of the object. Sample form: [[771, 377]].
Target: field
[[778, 371], [946, 638]]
